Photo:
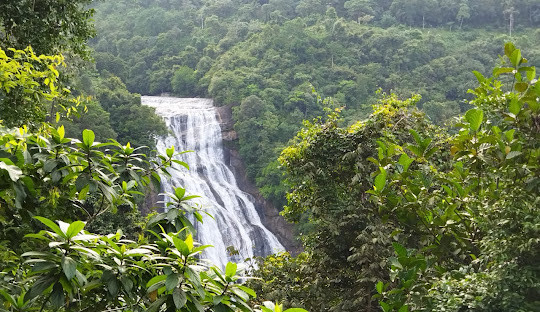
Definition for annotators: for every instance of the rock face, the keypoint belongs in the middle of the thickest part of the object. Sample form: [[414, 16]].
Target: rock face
[[268, 213]]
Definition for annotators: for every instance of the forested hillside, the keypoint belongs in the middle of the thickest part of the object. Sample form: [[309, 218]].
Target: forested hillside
[[265, 57], [344, 112]]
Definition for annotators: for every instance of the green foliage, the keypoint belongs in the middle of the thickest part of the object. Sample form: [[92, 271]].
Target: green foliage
[[277, 50], [284, 278], [49, 26], [183, 82], [83, 271], [464, 214], [66, 178], [96, 118], [131, 121], [347, 243], [30, 88], [453, 219], [66, 268]]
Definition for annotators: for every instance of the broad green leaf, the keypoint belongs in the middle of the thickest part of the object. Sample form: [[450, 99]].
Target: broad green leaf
[[179, 192], [479, 76], [509, 135], [181, 246], [230, 269], [416, 137], [385, 306], [240, 293], [53, 226], [515, 106], [190, 197], [521, 86], [189, 242], [404, 308], [379, 287], [515, 57], [74, 228], [248, 290], [155, 280], [88, 137], [380, 180], [405, 161], [14, 172], [57, 296], [7, 297], [138, 252], [474, 117], [509, 48], [69, 266], [36, 254], [39, 287], [502, 70], [400, 250], [415, 150], [216, 301], [43, 266], [112, 286], [181, 163], [198, 216], [531, 74], [61, 131], [179, 298], [170, 151], [127, 283], [171, 281]]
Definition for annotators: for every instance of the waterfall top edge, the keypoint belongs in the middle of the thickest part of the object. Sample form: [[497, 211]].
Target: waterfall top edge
[[170, 106]]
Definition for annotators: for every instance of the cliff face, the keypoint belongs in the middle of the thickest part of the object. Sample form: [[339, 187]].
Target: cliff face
[[268, 213]]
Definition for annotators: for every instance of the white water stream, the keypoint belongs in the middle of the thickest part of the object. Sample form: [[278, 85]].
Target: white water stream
[[236, 223]]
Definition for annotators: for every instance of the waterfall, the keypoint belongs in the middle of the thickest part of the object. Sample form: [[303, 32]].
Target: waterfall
[[235, 221]]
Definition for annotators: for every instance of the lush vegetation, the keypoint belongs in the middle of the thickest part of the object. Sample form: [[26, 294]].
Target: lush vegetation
[[398, 212], [406, 217], [44, 176], [270, 54]]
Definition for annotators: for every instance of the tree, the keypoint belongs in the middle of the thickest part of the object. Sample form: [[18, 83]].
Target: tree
[[346, 242], [510, 12], [183, 82], [29, 89], [49, 26], [464, 13], [452, 216], [359, 9], [131, 121], [94, 117], [465, 213]]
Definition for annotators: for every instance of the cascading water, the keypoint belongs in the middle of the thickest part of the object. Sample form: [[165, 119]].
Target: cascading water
[[235, 220]]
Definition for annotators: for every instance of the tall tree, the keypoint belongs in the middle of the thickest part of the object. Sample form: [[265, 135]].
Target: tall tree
[[464, 12], [49, 26]]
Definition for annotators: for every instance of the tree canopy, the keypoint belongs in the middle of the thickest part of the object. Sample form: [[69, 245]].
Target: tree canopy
[[49, 26], [403, 215]]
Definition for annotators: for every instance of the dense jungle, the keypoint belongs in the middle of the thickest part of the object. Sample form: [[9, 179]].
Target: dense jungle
[[401, 137]]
